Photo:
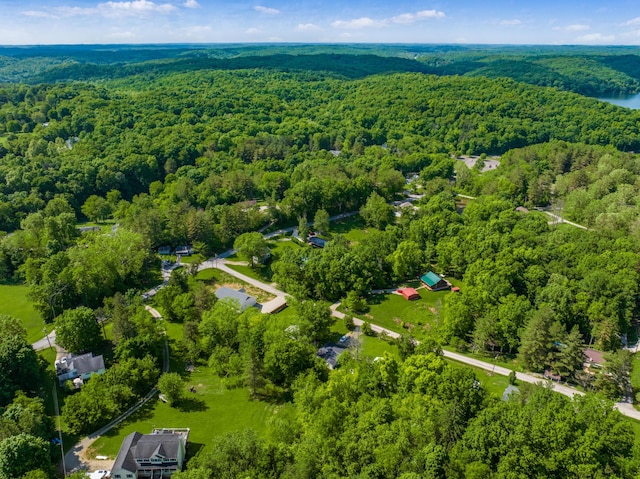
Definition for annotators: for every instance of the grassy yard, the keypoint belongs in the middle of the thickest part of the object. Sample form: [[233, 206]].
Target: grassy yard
[[220, 278], [353, 228], [212, 411], [105, 226], [394, 312], [261, 273], [14, 301]]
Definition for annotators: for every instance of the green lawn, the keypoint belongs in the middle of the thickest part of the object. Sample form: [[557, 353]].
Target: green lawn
[[105, 226], [14, 301], [212, 411], [262, 273], [392, 311], [495, 384], [353, 227]]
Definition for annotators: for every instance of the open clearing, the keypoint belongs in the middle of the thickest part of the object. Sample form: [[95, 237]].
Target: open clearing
[[14, 302]]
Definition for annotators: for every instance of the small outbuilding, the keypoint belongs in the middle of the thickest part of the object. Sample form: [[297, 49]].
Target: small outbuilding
[[593, 358], [316, 242], [184, 250], [410, 294], [164, 250], [434, 282], [510, 391]]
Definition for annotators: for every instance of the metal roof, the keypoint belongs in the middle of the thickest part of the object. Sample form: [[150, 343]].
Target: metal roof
[[431, 279]]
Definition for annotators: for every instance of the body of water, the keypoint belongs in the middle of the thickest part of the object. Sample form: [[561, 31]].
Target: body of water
[[628, 101]]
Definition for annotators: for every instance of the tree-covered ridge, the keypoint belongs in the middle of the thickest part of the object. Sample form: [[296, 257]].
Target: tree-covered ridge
[[592, 71], [204, 124]]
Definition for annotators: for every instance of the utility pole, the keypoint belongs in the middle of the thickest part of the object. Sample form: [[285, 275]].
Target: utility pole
[[44, 330]]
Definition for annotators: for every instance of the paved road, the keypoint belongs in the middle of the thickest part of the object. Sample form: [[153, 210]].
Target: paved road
[[625, 408], [45, 343], [560, 219], [76, 458]]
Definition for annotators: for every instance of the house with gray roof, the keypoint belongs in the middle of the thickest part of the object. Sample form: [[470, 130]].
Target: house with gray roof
[[156, 455], [83, 367], [244, 300]]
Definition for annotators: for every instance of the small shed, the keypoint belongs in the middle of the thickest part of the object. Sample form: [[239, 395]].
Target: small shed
[[244, 300], [164, 250], [184, 250], [410, 294], [434, 282], [510, 391], [594, 357], [316, 242]]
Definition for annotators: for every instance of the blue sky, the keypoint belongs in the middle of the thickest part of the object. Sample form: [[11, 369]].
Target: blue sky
[[613, 22]]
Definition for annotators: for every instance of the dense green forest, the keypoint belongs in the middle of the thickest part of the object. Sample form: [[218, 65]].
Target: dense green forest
[[204, 146], [592, 71]]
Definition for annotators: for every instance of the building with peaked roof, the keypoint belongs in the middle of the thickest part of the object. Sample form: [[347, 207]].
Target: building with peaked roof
[[410, 294], [317, 242], [154, 456], [593, 357], [510, 391], [245, 300], [84, 366], [434, 282]]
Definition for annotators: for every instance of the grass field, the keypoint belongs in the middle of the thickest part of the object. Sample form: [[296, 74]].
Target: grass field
[[392, 311], [353, 227], [14, 301], [105, 226], [261, 273], [212, 411]]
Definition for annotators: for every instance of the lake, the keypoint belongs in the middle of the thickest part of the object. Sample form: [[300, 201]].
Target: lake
[[629, 101]]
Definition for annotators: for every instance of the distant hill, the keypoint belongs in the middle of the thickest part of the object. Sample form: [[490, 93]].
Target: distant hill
[[591, 71]]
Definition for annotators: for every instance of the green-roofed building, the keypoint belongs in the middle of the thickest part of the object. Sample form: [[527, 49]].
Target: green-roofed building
[[435, 282]]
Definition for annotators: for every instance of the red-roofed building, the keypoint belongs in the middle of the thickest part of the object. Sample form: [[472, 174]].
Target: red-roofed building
[[410, 294], [593, 357]]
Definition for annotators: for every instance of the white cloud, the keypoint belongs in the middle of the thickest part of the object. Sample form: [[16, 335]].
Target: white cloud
[[252, 31], [266, 10], [577, 28], [61, 12], [430, 14], [596, 38], [573, 28], [513, 21], [134, 8], [363, 22], [307, 27], [402, 19], [632, 22], [38, 14], [122, 35], [191, 4]]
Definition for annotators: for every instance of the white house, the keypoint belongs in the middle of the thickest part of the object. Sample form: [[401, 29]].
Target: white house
[[83, 367]]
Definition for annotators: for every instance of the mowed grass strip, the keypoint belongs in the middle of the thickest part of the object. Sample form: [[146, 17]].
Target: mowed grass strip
[[14, 302], [211, 411]]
